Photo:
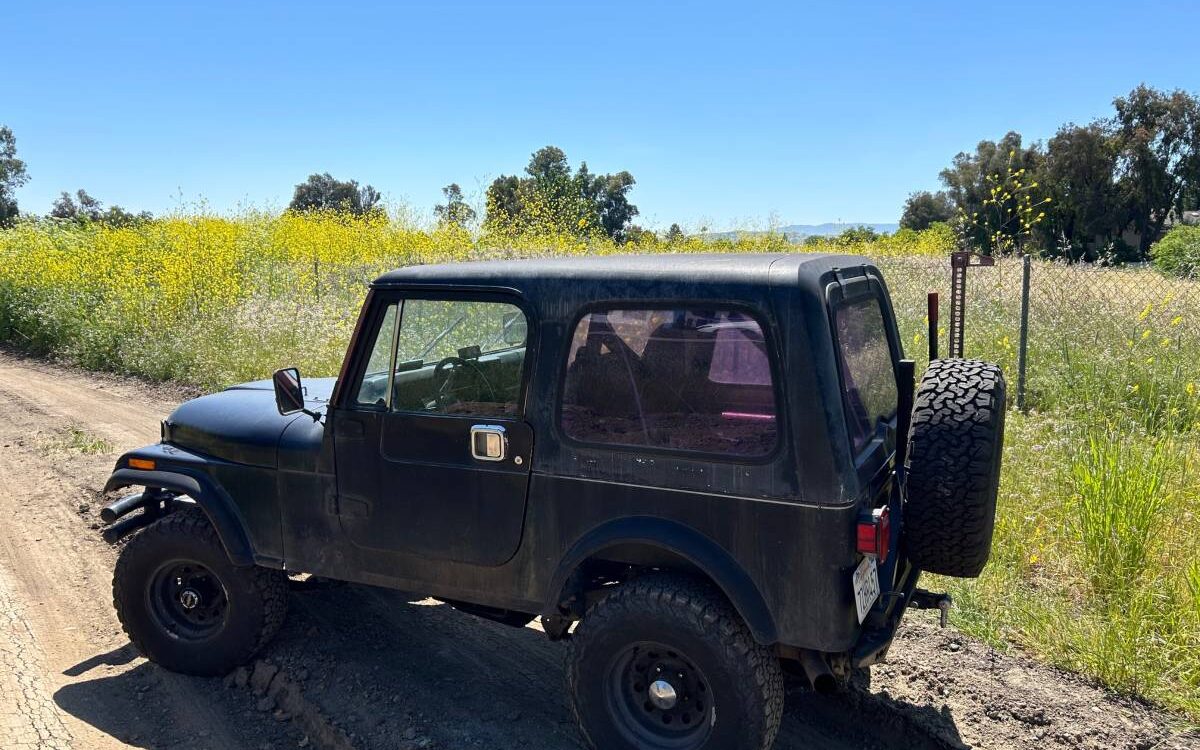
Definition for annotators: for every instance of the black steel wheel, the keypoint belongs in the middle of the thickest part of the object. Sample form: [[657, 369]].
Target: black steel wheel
[[186, 606], [664, 662], [661, 697], [187, 599]]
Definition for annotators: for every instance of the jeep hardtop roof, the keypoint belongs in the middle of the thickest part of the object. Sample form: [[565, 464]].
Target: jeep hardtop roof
[[672, 270]]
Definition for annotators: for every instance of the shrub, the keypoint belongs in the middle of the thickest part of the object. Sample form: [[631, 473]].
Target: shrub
[[1178, 252]]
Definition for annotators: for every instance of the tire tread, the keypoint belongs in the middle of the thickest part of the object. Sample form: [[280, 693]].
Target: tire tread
[[954, 466], [705, 611]]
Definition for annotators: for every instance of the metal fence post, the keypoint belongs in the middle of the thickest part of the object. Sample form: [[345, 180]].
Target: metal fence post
[[1023, 347]]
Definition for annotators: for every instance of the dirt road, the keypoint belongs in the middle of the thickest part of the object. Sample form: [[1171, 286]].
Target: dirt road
[[356, 667]]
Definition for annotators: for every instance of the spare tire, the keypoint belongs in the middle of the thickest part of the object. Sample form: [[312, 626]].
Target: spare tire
[[953, 464]]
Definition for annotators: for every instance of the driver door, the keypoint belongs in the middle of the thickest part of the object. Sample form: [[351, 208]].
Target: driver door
[[432, 452]]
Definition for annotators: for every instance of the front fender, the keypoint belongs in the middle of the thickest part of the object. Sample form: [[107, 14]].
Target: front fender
[[705, 554], [182, 472]]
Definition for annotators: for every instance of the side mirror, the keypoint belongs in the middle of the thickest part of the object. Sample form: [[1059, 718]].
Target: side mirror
[[289, 393], [514, 329]]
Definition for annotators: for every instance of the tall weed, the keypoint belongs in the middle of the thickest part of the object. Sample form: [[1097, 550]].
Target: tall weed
[[1121, 493]]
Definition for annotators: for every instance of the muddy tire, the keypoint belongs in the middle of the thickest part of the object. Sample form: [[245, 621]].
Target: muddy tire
[[954, 466], [185, 606], [666, 662]]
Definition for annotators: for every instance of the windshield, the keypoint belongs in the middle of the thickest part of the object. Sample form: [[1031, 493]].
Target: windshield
[[432, 330]]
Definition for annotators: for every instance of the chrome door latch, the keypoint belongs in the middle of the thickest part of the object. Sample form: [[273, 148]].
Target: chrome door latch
[[489, 442]]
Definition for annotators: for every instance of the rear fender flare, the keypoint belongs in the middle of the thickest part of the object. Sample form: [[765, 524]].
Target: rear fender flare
[[708, 557], [209, 496]]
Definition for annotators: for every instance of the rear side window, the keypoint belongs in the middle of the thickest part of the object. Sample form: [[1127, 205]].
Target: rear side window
[[868, 376], [684, 379]]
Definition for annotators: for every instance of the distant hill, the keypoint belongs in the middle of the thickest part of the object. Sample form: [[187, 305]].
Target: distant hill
[[830, 228], [800, 231]]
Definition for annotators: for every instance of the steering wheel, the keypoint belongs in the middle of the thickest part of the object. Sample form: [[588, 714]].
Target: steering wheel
[[445, 373]]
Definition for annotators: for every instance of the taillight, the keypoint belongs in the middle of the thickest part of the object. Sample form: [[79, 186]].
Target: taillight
[[874, 533]]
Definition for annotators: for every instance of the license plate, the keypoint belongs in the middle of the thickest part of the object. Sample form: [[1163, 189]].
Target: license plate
[[866, 586]]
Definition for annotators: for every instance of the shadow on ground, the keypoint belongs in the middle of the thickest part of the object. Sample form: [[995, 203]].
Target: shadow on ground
[[394, 672]]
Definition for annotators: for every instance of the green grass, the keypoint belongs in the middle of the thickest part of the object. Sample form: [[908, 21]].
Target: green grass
[[78, 441]]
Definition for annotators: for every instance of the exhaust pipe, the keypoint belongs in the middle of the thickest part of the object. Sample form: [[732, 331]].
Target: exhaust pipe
[[154, 502], [125, 505], [817, 671], [126, 526]]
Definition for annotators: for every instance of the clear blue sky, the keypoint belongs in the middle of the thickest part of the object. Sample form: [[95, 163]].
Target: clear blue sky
[[726, 114]]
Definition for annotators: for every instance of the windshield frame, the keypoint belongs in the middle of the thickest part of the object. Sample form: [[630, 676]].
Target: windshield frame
[[371, 318]]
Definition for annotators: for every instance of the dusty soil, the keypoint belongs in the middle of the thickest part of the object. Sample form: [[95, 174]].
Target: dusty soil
[[357, 667]]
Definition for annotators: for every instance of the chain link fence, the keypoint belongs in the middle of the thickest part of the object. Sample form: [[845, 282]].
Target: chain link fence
[[1090, 331]]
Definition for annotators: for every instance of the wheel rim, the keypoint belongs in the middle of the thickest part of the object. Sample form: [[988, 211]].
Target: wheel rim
[[187, 600], [658, 698]]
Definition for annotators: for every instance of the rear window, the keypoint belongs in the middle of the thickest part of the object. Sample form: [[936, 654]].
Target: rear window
[[683, 379], [868, 376]]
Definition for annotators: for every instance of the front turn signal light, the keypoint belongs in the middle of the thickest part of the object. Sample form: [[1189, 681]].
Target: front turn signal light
[[145, 464]]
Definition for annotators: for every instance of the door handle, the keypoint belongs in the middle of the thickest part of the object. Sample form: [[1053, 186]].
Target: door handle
[[489, 442]]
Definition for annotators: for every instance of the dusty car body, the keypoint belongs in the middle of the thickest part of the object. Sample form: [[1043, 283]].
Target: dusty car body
[[524, 438]]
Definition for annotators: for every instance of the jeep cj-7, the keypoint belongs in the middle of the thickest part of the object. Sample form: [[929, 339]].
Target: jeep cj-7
[[692, 468]]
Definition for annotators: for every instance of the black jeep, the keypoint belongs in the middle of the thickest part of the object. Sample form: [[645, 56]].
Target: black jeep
[[691, 467]]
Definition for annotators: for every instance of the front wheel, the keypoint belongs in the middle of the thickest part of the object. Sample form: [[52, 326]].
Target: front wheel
[[185, 606], [664, 662]]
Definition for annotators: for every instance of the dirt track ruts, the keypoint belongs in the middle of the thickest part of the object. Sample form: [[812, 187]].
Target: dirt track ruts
[[381, 669]]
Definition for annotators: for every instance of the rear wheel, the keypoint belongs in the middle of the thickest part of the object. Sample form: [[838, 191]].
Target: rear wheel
[[665, 662], [185, 606]]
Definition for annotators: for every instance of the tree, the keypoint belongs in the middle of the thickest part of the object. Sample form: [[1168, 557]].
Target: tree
[[924, 208], [83, 208], [552, 199], [321, 192], [675, 234], [86, 209], [858, 234], [455, 211], [640, 235], [1158, 163], [989, 187], [1079, 173], [12, 176], [612, 203]]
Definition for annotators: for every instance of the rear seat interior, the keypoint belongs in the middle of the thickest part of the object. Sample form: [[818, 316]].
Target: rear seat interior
[[664, 397]]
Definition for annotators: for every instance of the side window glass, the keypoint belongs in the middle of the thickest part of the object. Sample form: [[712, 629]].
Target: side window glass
[[684, 379], [372, 391], [868, 376], [459, 357]]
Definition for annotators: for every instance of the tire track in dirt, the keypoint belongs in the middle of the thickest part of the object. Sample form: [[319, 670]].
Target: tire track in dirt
[[56, 574]]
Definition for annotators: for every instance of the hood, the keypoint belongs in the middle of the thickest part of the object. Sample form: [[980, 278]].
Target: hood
[[240, 424]]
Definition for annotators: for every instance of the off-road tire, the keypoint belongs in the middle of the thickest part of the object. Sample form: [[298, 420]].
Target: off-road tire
[[954, 466], [745, 679], [256, 597]]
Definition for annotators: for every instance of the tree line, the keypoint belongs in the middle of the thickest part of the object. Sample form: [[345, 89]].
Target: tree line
[[79, 207], [1102, 191], [549, 198]]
